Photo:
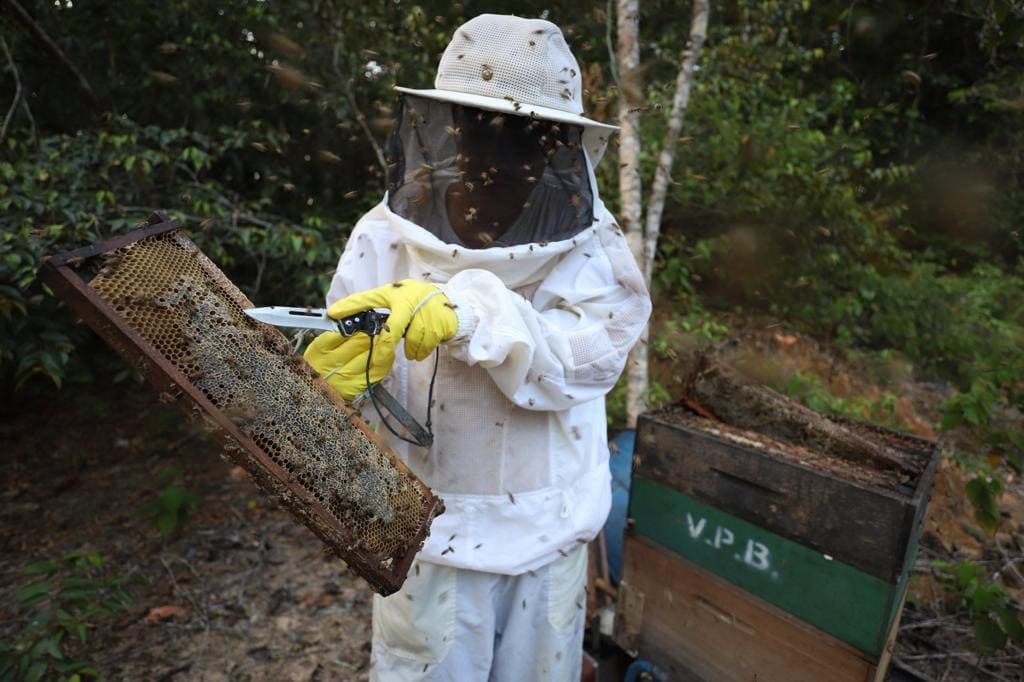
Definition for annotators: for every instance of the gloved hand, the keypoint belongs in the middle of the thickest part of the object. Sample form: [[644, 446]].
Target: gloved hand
[[341, 361], [419, 311]]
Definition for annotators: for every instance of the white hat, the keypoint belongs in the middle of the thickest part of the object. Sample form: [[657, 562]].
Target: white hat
[[516, 66]]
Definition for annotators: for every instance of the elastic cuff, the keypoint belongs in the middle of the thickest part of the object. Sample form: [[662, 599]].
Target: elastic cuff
[[464, 312]]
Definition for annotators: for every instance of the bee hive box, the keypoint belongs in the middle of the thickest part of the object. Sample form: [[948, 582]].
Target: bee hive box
[[749, 558], [157, 300]]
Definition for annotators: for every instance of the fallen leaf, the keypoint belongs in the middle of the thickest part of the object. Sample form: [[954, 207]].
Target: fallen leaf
[[785, 339], [163, 613]]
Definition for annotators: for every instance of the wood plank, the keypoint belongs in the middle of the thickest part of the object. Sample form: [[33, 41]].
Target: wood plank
[[697, 626], [833, 596], [864, 527]]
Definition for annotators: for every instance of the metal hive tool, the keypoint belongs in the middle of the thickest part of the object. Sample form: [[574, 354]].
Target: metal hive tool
[[176, 317]]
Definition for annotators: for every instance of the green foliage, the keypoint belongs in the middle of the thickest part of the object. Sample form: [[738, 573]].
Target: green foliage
[[65, 599], [656, 396], [809, 390], [992, 612], [73, 190], [173, 506], [615, 404]]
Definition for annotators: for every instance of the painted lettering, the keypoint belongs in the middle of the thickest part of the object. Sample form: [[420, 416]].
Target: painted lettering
[[695, 529], [757, 555], [723, 536]]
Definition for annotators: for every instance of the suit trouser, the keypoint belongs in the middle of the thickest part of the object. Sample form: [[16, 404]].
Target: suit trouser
[[450, 624]]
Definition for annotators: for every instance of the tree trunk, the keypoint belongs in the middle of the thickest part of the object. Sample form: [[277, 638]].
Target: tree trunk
[[630, 191], [643, 238], [667, 157]]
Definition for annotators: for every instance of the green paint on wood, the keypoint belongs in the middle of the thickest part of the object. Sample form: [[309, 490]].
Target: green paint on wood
[[834, 597]]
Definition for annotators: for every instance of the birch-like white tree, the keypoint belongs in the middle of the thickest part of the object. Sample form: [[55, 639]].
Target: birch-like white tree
[[642, 231]]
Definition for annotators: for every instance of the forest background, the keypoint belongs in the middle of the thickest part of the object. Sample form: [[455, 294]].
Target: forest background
[[847, 172]]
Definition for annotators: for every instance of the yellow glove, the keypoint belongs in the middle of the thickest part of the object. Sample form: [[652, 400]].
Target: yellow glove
[[418, 311], [341, 361]]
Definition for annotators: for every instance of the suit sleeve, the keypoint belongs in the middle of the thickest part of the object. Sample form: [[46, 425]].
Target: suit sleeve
[[568, 342]]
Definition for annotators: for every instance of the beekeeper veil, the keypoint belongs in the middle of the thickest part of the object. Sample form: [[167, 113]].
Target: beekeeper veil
[[497, 153]]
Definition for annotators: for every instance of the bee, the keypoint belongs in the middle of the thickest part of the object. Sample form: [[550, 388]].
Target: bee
[[452, 537], [498, 122], [351, 195], [511, 497], [575, 432], [478, 545], [524, 604], [562, 552], [453, 131], [409, 597]]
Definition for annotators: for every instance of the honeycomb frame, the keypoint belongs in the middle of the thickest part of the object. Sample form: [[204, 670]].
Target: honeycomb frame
[[183, 329]]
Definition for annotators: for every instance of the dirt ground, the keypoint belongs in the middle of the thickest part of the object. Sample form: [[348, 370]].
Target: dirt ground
[[254, 597]]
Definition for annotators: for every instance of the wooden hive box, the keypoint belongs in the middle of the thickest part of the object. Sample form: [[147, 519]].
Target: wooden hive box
[[748, 558]]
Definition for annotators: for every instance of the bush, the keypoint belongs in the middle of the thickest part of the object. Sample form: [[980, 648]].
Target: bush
[[172, 508], [66, 598], [78, 189]]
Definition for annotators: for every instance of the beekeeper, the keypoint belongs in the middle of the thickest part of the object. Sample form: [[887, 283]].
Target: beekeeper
[[493, 248]]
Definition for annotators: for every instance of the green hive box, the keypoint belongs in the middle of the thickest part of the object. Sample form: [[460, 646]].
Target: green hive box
[[828, 543]]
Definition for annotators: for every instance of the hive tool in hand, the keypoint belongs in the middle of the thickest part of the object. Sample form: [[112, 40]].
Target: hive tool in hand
[[369, 322]]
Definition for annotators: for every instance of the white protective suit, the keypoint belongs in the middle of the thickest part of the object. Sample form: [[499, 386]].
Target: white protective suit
[[520, 452], [547, 314]]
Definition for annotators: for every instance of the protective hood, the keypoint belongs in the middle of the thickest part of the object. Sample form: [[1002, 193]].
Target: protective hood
[[481, 179]]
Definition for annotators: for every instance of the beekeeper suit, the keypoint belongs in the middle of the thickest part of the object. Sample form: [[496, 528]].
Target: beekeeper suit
[[493, 249]]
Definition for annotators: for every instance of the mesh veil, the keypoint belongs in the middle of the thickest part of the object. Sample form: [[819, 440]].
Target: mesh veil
[[480, 179]]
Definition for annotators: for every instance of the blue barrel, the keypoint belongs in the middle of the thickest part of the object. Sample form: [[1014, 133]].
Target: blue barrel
[[621, 447]]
